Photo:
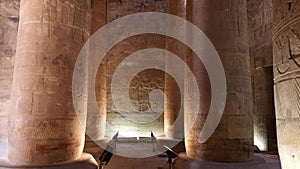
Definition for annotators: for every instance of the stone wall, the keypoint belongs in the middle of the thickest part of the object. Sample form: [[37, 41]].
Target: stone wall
[[9, 13], [261, 60], [145, 81], [140, 87]]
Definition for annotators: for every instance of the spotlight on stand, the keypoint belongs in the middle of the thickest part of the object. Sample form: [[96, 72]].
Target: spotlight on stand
[[106, 156], [115, 137], [153, 138], [152, 135], [171, 155]]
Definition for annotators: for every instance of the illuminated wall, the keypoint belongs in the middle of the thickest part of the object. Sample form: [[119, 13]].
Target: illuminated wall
[[144, 82], [261, 64]]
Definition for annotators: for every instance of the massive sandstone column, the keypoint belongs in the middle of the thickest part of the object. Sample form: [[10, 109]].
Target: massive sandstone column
[[44, 128], [225, 24], [96, 118], [173, 96], [260, 14], [286, 48]]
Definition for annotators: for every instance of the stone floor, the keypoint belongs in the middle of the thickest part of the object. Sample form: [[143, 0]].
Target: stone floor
[[272, 160], [155, 162], [131, 149]]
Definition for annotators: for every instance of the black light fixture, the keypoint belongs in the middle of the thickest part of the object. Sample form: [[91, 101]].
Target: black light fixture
[[106, 156], [115, 137], [171, 155], [153, 138]]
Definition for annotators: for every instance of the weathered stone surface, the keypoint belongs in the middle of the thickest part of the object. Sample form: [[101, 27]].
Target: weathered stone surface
[[260, 14], [183, 162], [117, 8], [286, 52], [9, 13], [174, 103], [141, 85], [96, 118], [44, 128], [86, 161], [260, 19], [144, 81], [225, 24], [286, 42]]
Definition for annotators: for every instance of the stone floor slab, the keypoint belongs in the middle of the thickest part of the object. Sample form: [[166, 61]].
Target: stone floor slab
[[86, 161], [183, 162]]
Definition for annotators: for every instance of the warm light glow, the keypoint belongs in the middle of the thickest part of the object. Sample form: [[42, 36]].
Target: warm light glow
[[128, 133], [260, 142]]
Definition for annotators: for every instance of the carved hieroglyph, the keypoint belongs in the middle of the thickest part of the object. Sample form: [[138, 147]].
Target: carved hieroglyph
[[143, 83], [44, 128], [286, 50], [9, 12], [260, 20], [225, 24]]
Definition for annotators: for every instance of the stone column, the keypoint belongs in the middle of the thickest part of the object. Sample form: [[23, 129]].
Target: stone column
[[96, 121], [44, 128], [225, 24], [286, 48], [260, 14], [173, 104]]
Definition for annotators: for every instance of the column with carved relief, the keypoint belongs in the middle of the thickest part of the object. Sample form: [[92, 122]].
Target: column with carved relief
[[173, 115], [96, 117], [225, 24], [44, 129], [286, 49]]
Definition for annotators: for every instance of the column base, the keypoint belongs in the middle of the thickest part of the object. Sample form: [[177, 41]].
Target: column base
[[184, 162], [86, 161]]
